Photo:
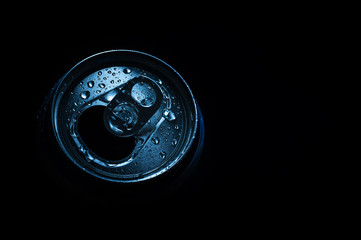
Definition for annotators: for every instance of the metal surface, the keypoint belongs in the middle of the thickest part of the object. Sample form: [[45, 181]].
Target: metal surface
[[144, 98]]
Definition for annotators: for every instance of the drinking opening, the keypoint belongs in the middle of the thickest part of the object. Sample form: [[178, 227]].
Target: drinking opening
[[96, 137]]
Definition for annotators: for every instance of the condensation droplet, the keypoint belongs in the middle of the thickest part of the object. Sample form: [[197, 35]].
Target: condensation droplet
[[155, 140], [100, 73], [101, 85], [91, 84], [88, 156], [127, 70], [85, 95], [162, 155], [169, 115], [174, 142]]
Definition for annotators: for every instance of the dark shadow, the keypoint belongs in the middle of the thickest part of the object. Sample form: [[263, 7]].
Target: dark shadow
[[92, 130]]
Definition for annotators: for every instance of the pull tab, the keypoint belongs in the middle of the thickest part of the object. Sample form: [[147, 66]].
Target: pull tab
[[132, 107]]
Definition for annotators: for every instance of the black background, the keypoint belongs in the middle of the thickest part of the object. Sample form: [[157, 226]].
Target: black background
[[268, 90]]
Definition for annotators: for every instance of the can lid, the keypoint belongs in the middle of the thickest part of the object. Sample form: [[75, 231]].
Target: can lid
[[143, 98]]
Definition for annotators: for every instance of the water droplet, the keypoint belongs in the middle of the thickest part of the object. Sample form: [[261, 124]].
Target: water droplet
[[100, 73], [169, 115], [162, 155], [127, 70], [174, 142], [102, 85], [85, 95], [91, 84], [109, 72], [155, 140], [112, 81], [88, 156], [82, 149], [176, 127]]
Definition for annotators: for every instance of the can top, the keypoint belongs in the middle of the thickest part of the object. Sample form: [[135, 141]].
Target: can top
[[143, 97]]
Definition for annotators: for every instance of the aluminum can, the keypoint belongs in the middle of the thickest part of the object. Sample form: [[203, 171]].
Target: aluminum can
[[145, 111]]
